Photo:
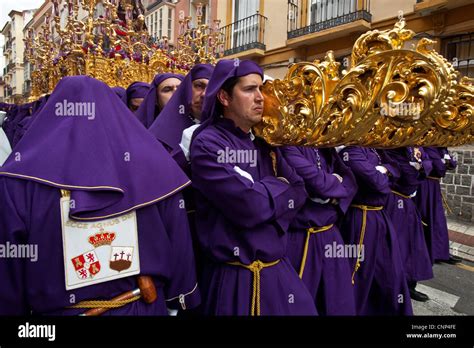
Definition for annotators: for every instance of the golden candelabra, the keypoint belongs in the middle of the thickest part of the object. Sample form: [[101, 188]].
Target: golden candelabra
[[390, 97], [202, 44], [117, 51]]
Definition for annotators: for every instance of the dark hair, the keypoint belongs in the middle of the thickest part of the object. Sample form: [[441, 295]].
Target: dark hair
[[229, 85]]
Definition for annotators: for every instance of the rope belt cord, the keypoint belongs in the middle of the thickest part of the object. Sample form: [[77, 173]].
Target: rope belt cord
[[408, 197], [434, 178], [401, 194], [365, 209], [443, 196], [445, 202], [104, 304], [255, 267], [310, 231]]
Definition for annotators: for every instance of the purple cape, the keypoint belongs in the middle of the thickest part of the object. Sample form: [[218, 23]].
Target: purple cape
[[20, 129], [137, 90], [147, 112], [15, 115], [94, 154], [8, 125], [168, 128], [30, 214], [121, 93], [24, 124], [6, 106]]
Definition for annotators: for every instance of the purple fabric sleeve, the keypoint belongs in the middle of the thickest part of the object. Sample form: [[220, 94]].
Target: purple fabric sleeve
[[365, 171], [247, 204]]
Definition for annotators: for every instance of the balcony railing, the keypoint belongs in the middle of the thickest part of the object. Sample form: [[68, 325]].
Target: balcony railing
[[245, 34], [320, 15], [459, 50]]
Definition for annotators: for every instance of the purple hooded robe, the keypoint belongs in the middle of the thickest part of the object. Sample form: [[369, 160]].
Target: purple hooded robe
[[243, 214], [380, 286], [108, 174]]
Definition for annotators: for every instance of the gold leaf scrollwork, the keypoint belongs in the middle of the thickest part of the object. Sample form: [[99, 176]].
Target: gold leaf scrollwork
[[390, 97]]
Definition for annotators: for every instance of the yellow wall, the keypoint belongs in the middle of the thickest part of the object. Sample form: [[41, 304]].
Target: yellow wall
[[384, 9], [275, 30], [451, 21], [224, 11], [277, 72]]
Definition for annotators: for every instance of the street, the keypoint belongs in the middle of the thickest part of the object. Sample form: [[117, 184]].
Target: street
[[451, 291]]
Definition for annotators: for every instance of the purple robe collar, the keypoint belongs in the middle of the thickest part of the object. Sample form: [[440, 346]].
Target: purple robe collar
[[229, 125], [146, 113], [92, 150], [173, 120]]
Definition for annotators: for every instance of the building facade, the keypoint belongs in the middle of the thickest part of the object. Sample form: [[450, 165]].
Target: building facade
[[278, 32], [275, 33], [162, 16], [2, 90], [159, 19], [185, 8], [13, 74], [36, 25]]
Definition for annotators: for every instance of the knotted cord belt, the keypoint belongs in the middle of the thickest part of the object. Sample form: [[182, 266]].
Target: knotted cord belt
[[434, 178], [104, 304], [443, 196], [408, 197], [310, 231], [255, 267], [401, 194], [365, 209]]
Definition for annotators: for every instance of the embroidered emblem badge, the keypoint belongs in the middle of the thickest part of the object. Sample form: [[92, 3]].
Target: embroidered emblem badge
[[121, 258], [86, 265], [102, 238]]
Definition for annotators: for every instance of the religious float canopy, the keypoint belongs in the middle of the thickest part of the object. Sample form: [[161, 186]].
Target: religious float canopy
[[397, 92], [111, 43]]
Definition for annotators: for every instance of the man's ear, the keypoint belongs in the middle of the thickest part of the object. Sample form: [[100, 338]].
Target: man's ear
[[223, 97]]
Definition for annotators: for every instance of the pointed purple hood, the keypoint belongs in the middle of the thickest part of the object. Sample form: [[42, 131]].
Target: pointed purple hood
[[95, 148]]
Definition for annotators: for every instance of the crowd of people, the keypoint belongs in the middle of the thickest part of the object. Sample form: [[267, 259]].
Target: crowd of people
[[166, 183]]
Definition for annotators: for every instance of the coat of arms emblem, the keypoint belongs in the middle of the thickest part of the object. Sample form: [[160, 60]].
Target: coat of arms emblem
[[86, 265]]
